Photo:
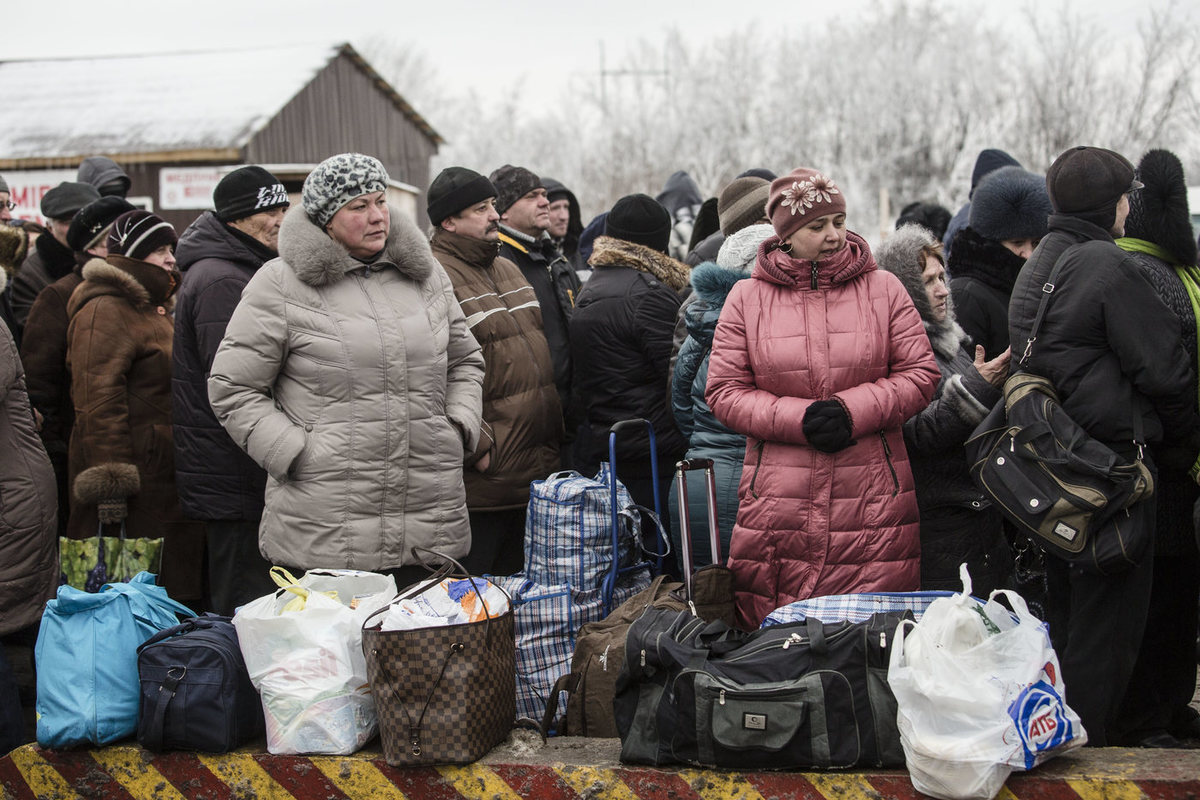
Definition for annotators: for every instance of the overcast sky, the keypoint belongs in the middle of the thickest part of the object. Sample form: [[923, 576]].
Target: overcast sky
[[494, 43]]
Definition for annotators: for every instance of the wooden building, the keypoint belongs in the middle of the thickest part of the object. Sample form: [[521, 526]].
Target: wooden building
[[177, 122]]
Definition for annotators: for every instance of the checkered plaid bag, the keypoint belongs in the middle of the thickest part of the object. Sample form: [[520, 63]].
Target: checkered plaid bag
[[548, 619], [443, 695], [852, 607], [568, 530]]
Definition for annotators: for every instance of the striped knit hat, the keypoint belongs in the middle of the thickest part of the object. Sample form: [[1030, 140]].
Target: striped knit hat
[[137, 234]]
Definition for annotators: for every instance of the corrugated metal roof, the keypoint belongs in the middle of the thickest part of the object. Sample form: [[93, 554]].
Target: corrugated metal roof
[[185, 102]]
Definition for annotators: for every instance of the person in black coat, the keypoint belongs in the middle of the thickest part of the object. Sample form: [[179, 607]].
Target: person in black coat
[[621, 336], [217, 482], [1094, 348], [958, 524], [1158, 239], [1007, 220]]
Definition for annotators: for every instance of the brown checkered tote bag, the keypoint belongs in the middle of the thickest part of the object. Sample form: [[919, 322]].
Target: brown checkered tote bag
[[444, 695]]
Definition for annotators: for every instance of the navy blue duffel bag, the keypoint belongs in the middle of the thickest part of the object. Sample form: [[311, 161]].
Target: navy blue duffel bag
[[195, 691]]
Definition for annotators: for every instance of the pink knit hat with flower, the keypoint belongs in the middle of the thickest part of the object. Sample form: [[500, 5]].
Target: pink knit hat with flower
[[800, 196]]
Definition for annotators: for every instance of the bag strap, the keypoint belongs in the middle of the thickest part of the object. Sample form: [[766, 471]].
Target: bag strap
[[565, 683], [1048, 288], [152, 737]]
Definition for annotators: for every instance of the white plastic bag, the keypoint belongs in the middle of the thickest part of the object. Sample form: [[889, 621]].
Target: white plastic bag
[[980, 694], [303, 650]]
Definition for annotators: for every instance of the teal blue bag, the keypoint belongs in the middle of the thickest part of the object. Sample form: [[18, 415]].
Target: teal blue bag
[[86, 654]]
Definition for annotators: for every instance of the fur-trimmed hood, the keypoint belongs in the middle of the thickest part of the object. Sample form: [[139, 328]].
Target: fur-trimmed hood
[[900, 254], [610, 252], [712, 282], [318, 260], [144, 285]]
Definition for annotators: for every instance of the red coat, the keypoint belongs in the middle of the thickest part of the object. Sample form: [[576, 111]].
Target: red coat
[[811, 523]]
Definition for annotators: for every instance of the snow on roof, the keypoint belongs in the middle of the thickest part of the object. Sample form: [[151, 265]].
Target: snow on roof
[[62, 108]]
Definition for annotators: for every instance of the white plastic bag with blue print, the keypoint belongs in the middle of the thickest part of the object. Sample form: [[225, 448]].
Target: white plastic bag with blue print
[[980, 695]]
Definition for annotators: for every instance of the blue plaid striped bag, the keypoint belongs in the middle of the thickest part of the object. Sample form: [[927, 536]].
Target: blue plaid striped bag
[[853, 607], [547, 620], [568, 530]]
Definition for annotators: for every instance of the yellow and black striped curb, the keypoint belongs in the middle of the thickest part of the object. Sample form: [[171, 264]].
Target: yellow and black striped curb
[[127, 772]]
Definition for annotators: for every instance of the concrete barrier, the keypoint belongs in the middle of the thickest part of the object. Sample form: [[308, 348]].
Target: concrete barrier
[[525, 769]]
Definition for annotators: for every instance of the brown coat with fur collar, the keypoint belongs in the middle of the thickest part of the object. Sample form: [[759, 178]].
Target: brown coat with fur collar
[[119, 356]]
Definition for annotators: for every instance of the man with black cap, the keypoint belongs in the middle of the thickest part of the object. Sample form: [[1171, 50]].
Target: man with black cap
[[44, 345], [522, 426], [524, 220], [52, 257], [1115, 381], [621, 337], [6, 203], [217, 482]]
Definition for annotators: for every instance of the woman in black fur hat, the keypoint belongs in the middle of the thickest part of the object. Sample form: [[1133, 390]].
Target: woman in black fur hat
[[1008, 217], [1158, 237]]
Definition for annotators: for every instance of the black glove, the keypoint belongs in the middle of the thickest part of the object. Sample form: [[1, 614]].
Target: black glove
[[827, 426], [112, 510]]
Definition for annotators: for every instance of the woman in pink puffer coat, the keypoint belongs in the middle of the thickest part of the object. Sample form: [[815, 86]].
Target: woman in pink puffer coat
[[819, 359]]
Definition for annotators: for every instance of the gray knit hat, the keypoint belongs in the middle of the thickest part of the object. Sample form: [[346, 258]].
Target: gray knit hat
[[339, 179], [741, 203], [739, 252], [1010, 203]]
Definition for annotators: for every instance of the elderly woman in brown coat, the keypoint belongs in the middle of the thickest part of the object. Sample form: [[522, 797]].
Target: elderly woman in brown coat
[[122, 464]]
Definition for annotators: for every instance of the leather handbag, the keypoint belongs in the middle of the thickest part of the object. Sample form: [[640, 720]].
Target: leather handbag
[[444, 695], [1045, 474]]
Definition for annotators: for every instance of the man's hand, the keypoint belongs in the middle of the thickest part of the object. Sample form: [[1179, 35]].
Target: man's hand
[[482, 464], [995, 371]]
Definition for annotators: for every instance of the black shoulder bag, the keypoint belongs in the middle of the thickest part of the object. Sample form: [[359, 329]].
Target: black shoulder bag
[[1045, 474]]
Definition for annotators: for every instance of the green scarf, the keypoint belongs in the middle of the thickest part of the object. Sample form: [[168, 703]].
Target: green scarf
[[1189, 274]]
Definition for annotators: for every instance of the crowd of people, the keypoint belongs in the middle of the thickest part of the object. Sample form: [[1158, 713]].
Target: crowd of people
[[330, 386]]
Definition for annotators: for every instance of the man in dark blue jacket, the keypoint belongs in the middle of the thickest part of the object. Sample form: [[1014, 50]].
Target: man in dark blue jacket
[[218, 483]]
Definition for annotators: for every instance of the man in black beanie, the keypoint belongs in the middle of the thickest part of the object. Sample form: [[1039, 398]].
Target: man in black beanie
[[1093, 345], [218, 483], [524, 222], [522, 422], [621, 337], [51, 257], [1158, 239]]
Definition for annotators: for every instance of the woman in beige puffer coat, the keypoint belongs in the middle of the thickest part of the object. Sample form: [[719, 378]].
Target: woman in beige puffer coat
[[349, 374]]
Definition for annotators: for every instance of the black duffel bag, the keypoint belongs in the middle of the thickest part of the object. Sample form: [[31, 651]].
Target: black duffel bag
[[795, 696], [196, 693]]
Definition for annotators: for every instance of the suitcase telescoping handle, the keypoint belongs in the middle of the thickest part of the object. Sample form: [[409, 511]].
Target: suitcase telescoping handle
[[610, 580], [685, 515]]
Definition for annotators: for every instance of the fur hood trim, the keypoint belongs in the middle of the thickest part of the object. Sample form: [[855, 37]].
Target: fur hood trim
[[106, 482], [610, 252], [947, 337], [900, 255], [318, 260], [712, 282], [100, 271]]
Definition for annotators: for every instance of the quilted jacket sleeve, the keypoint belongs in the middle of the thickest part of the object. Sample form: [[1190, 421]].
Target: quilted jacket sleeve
[[913, 374], [464, 370], [243, 375], [732, 394]]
